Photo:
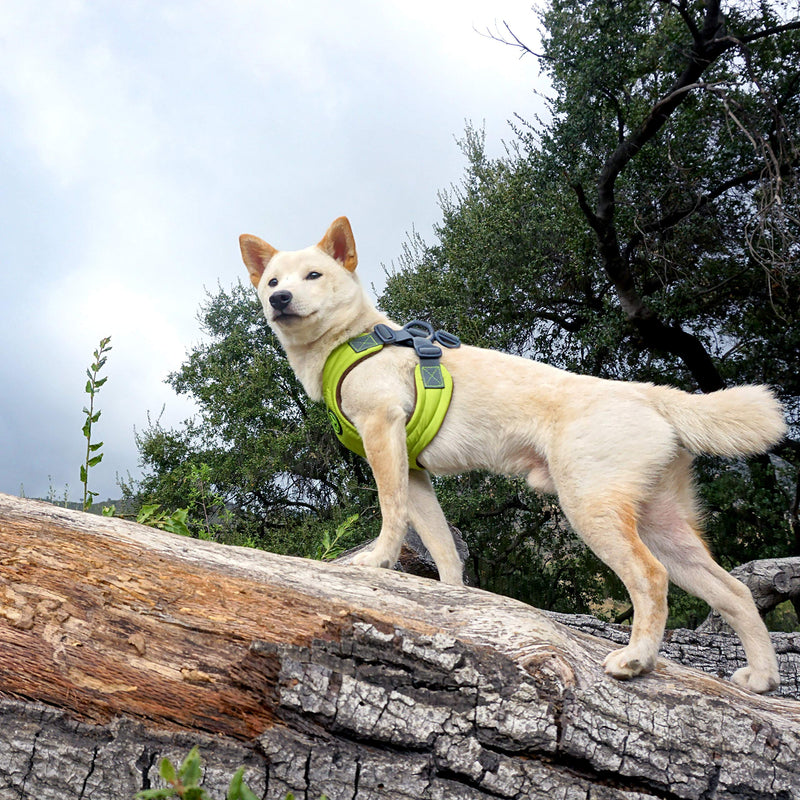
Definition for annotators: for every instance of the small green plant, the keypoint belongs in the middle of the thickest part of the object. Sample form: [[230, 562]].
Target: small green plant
[[328, 548], [209, 504], [184, 782], [92, 388], [150, 514], [53, 498]]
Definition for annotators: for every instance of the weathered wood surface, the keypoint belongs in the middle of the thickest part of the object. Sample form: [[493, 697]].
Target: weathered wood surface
[[771, 581], [120, 644], [718, 654]]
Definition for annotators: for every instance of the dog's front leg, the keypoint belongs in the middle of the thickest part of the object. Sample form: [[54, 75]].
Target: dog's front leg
[[383, 432]]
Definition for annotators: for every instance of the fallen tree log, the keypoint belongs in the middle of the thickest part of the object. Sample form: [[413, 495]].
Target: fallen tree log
[[771, 581], [120, 644]]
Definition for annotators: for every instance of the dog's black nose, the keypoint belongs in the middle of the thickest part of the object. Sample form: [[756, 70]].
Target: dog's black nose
[[279, 300]]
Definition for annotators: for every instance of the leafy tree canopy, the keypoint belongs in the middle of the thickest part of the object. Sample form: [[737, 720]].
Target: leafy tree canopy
[[647, 230], [267, 450]]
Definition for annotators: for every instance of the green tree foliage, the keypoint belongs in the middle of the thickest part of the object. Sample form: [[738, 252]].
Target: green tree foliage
[[258, 463], [673, 126], [648, 230]]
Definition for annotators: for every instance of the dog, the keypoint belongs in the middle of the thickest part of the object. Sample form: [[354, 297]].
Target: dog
[[617, 454]]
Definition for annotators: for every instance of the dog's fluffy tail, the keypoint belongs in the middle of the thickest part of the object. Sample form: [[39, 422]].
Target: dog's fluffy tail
[[741, 421]]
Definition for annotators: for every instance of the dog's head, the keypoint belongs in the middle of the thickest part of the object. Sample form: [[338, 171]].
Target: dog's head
[[305, 292]]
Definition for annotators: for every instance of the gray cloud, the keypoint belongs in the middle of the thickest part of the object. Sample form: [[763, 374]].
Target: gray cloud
[[140, 140]]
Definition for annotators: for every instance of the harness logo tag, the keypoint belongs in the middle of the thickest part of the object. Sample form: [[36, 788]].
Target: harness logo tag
[[432, 377], [335, 423], [361, 343]]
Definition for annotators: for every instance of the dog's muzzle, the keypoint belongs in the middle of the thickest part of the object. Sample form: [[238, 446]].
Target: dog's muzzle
[[280, 299]]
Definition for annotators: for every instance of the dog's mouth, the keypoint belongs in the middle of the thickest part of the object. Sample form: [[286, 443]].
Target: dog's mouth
[[287, 316]]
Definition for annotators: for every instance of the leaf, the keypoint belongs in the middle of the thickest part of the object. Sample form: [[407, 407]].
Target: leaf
[[246, 794], [94, 447], [99, 383], [109, 511], [235, 789], [155, 794], [93, 462], [166, 769], [89, 388], [87, 428], [190, 771], [146, 512], [96, 416], [177, 523], [83, 474]]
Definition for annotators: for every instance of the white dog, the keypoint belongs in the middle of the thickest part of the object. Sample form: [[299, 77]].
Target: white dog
[[616, 454]]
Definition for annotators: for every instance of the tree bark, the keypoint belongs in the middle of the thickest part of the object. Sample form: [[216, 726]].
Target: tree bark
[[771, 582], [122, 644]]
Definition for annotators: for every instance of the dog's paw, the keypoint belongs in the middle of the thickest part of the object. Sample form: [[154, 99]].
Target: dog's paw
[[373, 558], [629, 662], [757, 681]]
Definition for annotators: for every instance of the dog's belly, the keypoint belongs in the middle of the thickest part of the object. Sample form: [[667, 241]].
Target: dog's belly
[[459, 448]]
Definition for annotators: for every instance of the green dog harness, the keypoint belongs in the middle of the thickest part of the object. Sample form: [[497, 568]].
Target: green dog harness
[[434, 384]]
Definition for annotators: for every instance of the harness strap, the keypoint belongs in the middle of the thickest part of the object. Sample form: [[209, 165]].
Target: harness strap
[[432, 381]]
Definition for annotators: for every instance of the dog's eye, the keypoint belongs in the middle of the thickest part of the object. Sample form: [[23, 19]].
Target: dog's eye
[[312, 276], [272, 282]]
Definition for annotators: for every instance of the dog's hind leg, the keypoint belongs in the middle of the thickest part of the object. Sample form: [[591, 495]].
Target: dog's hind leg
[[608, 525], [669, 527], [425, 514]]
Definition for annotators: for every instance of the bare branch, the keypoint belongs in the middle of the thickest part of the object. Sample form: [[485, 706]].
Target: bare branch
[[517, 42]]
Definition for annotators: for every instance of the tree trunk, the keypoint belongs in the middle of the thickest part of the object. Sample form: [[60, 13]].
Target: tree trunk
[[122, 644]]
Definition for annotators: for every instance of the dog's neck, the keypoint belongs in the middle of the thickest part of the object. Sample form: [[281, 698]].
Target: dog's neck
[[307, 359]]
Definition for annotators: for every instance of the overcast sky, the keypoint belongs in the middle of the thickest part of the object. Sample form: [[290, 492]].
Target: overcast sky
[[140, 138]]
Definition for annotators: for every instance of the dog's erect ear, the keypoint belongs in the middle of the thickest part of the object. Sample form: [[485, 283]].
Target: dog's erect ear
[[256, 254], [339, 243]]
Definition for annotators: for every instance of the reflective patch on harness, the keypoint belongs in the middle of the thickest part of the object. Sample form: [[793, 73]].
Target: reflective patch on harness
[[362, 343], [432, 377]]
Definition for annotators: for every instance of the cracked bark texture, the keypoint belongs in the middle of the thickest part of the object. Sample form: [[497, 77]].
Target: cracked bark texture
[[771, 581], [121, 644]]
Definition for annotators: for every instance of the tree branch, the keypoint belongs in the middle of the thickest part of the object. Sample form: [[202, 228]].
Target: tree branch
[[752, 37], [516, 43]]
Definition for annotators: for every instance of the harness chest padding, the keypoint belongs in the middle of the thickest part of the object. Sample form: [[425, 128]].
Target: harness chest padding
[[434, 392], [434, 388]]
